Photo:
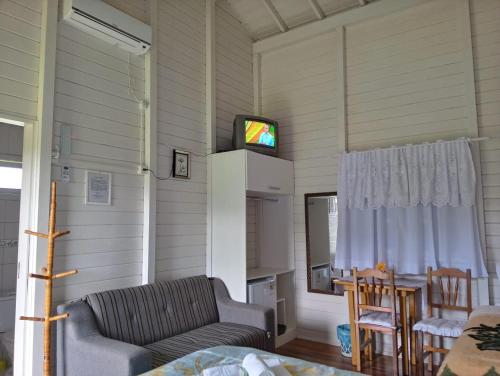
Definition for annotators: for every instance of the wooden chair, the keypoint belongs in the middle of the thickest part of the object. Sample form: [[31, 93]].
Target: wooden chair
[[448, 280], [370, 285]]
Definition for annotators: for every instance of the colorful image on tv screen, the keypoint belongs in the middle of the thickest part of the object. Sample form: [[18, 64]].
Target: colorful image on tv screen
[[260, 133]]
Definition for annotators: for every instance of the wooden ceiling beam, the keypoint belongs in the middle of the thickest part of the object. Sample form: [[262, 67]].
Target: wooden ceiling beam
[[275, 15], [317, 9]]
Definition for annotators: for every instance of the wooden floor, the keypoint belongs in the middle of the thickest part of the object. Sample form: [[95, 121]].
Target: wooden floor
[[330, 355]]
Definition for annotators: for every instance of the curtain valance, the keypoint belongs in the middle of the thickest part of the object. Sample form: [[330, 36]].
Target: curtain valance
[[439, 174]]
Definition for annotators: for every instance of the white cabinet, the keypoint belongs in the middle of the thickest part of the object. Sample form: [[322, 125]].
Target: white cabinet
[[270, 175], [234, 178]]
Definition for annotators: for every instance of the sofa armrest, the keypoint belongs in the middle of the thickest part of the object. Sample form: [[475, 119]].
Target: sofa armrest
[[82, 350], [240, 313]]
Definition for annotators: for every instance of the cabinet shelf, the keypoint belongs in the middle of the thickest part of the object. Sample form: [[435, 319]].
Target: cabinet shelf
[[254, 273]]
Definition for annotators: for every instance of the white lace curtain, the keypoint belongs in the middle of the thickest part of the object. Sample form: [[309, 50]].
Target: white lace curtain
[[410, 207], [440, 174]]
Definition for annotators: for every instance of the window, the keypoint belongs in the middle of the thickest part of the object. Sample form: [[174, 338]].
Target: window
[[11, 177]]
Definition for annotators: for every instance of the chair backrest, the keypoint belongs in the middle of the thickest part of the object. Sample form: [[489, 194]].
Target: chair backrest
[[145, 314], [448, 280], [370, 285]]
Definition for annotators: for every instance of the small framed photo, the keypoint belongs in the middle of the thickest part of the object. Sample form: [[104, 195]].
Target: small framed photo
[[182, 165], [97, 188]]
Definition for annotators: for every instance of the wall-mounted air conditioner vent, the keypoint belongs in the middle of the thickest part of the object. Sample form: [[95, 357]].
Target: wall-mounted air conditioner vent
[[105, 22]]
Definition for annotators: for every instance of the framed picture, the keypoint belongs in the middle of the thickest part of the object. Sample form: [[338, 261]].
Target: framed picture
[[182, 165], [97, 188]]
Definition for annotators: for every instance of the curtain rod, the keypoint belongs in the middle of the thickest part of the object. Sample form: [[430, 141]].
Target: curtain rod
[[477, 139], [468, 139]]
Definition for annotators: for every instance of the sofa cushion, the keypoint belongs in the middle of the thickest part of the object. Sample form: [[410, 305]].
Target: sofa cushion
[[221, 333], [146, 314]]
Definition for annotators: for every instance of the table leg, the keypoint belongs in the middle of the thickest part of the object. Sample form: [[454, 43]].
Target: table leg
[[415, 316], [354, 343], [419, 353], [404, 331]]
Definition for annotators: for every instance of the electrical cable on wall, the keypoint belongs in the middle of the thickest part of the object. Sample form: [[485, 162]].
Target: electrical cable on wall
[[145, 169], [142, 107]]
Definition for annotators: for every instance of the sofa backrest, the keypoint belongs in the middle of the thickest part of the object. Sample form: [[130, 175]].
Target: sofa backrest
[[149, 313]]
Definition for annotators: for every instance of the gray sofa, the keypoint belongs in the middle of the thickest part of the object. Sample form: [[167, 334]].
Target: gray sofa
[[130, 331]]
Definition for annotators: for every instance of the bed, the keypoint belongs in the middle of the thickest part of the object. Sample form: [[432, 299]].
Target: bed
[[193, 364], [477, 350]]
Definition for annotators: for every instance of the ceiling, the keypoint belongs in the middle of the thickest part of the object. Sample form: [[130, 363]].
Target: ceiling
[[264, 18]]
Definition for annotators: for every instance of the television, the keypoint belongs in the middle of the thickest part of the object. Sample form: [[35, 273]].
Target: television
[[256, 133]]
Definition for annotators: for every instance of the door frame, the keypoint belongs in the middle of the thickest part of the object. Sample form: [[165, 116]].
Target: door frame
[[32, 191], [32, 215]]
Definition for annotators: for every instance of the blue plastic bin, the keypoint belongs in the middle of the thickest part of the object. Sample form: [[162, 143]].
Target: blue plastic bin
[[344, 337]]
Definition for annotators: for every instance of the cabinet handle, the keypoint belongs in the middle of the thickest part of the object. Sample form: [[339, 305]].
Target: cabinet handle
[[274, 188]]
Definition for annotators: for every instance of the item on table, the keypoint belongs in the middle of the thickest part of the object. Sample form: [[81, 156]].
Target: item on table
[[381, 266]]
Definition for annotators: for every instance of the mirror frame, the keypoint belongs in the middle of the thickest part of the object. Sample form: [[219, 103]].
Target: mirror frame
[[308, 253]]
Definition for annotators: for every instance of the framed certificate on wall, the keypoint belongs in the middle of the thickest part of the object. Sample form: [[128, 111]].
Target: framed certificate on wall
[[98, 188]]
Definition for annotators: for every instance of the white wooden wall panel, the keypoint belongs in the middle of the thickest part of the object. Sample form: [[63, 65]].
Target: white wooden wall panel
[[181, 204], [299, 91], [136, 8], [91, 96], [234, 76], [20, 31], [406, 82], [405, 78], [486, 47]]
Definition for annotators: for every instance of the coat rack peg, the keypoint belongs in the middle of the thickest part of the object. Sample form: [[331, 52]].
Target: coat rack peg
[[48, 277], [61, 233], [39, 276], [30, 318], [37, 234], [59, 317], [65, 274]]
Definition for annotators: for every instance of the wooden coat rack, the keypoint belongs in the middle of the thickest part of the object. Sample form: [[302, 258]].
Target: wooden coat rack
[[48, 277]]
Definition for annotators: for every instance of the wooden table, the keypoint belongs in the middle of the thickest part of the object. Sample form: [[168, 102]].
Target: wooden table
[[409, 292]]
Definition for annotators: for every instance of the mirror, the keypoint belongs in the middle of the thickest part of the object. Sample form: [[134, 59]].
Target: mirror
[[321, 214]]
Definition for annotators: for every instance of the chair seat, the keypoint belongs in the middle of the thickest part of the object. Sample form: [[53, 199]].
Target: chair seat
[[440, 327], [378, 318]]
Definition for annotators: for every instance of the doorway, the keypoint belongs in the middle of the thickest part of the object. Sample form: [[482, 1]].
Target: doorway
[[11, 174]]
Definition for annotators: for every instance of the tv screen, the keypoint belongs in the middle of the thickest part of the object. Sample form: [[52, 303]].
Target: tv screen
[[260, 133], [256, 133]]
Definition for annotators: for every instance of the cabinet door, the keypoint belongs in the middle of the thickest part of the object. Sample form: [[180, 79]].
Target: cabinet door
[[268, 174]]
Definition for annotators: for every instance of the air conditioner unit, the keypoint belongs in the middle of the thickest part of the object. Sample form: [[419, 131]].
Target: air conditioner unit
[[107, 23]]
